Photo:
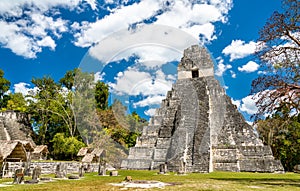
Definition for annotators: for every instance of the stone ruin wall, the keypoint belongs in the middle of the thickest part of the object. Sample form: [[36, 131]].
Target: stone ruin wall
[[50, 167]]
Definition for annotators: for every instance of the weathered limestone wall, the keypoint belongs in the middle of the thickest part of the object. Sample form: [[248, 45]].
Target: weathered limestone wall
[[15, 126], [50, 167]]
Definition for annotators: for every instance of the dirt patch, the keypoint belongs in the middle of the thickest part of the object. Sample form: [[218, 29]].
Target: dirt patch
[[143, 184]]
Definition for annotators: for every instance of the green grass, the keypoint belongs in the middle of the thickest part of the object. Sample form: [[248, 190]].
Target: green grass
[[215, 181]]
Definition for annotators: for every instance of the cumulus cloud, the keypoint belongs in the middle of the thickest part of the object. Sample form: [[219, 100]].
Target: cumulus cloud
[[128, 80], [98, 76], [150, 56], [239, 49], [236, 102], [195, 18], [233, 74], [120, 18], [92, 3], [24, 89], [149, 89], [150, 112], [221, 67], [134, 82], [150, 101], [247, 104], [28, 26], [249, 67], [142, 43]]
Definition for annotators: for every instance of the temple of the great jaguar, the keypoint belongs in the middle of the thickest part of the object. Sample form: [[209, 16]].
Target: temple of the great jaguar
[[198, 129]]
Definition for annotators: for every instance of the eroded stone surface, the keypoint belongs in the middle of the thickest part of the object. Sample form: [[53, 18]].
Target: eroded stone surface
[[198, 128], [15, 126]]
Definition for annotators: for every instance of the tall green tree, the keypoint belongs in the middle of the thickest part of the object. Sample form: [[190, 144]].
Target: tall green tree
[[283, 136], [52, 111], [4, 87], [68, 80], [17, 102], [84, 106], [66, 147], [40, 103], [101, 95]]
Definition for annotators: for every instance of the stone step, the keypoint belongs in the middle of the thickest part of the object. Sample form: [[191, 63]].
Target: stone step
[[2, 132], [140, 164], [260, 165], [13, 129], [141, 153], [232, 167], [255, 151], [146, 141], [160, 154]]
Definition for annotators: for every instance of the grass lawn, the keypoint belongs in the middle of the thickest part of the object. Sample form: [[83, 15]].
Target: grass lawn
[[195, 181]]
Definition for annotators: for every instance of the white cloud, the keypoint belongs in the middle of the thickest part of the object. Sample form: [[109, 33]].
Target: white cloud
[[150, 112], [7, 93], [236, 102], [98, 76], [250, 122], [249, 67], [128, 81], [16, 7], [247, 104], [261, 72], [239, 49], [150, 101], [135, 82], [92, 3], [19, 43], [191, 17], [24, 89], [221, 68], [233, 74], [28, 37], [47, 42], [30, 24], [151, 56], [141, 42], [119, 19], [35, 24]]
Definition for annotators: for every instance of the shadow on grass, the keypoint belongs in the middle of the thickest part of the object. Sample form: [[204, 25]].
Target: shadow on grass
[[264, 181]]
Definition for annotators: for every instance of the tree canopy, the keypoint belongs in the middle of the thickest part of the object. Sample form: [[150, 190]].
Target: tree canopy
[[278, 89], [279, 53], [4, 87], [72, 113]]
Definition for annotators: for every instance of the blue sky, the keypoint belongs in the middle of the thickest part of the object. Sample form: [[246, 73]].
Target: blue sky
[[49, 37]]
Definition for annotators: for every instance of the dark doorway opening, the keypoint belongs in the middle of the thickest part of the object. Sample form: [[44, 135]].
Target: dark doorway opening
[[195, 74]]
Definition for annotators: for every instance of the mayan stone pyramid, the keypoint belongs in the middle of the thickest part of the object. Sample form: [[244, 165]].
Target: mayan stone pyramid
[[198, 126]]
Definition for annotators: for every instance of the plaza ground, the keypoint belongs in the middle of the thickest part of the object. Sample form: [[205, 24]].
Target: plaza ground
[[215, 181]]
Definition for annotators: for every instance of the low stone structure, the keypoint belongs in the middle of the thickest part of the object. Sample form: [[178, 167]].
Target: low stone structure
[[198, 129], [50, 167], [15, 127], [40, 152]]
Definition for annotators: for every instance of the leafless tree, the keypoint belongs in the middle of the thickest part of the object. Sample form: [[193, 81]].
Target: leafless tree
[[279, 52]]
